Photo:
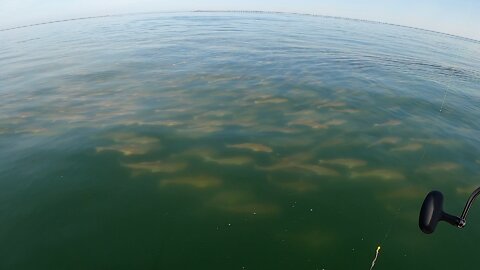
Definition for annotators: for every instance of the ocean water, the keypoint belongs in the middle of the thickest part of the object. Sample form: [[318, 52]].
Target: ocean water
[[235, 141]]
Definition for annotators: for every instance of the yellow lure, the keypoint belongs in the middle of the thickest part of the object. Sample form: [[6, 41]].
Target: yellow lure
[[375, 259]]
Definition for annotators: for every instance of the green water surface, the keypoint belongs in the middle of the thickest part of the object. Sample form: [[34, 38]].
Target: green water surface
[[235, 141]]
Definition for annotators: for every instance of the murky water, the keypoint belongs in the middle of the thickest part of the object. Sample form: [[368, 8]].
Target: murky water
[[235, 141]]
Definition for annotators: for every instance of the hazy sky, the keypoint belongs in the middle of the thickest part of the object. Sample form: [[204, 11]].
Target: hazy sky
[[458, 17]]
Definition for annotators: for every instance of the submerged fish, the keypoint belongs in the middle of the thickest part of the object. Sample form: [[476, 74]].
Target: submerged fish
[[129, 144], [302, 112], [347, 111], [318, 170], [346, 162], [275, 129], [411, 147], [270, 101], [132, 138], [209, 155], [441, 167], [382, 174], [200, 130], [167, 123], [332, 105], [291, 165], [252, 146], [241, 202], [33, 130], [335, 122], [386, 140], [290, 162], [217, 113], [125, 150], [200, 182], [389, 123], [238, 160], [308, 123], [466, 190], [157, 166], [432, 141]]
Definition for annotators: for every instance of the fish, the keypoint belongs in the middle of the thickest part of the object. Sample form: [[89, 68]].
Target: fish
[[65, 117], [130, 144], [208, 155], [381, 174], [292, 141], [411, 147], [389, 123], [202, 152], [335, 122], [466, 190], [289, 162], [213, 113], [124, 149], [347, 111], [132, 138], [432, 141], [332, 105], [156, 166], [280, 166], [237, 160], [346, 162], [441, 167], [340, 91], [308, 123], [170, 110], [302, 112], [386, 140], [271, 101], [166, 123], [252, 146], [34, 130], [276, 129], [200, 182], [199, 130]]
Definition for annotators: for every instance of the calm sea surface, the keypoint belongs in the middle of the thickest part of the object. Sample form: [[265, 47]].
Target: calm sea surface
[[235, 141]]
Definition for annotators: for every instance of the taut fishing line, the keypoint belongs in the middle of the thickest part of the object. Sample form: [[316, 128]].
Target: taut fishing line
[[447, 86], [377, 251]]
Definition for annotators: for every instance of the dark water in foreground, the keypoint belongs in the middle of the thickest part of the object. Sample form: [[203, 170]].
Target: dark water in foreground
[[235, 141]]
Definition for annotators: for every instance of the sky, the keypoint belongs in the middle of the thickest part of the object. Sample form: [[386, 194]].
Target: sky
[[457, 17]]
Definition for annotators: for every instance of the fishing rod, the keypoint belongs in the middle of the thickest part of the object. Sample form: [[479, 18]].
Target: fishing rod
[[432, 212]]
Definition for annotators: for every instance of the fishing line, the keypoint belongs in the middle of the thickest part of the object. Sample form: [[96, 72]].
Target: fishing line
[[387, 234], [447, 86], [443, 102]]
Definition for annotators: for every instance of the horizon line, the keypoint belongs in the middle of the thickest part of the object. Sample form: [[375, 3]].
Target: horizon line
[[241, 11]]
